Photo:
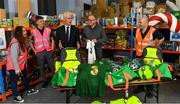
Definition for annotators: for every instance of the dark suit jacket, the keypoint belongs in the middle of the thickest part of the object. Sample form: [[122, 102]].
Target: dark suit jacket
[[61, 35]]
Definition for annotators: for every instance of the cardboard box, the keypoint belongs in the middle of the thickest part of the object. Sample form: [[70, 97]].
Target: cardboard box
[[124, 10], [20, 22], [121, 20], [109, 21], [142, 1], [3, 23], [23, 6], [2, 13], [100, 8], [160, 8], [0, 22], [9, 23], [124, 2], [149, 11], [6, 23]]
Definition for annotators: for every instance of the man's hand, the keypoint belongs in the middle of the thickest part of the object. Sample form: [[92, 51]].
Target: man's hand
[[60, 46], [35, 52], [18, 72], [78, 45], [94, 40]]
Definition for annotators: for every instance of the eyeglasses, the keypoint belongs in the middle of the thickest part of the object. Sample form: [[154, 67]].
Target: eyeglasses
[[90, 20]]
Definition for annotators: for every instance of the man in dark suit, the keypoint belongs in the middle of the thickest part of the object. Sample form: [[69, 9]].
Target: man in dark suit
[[67, 35]]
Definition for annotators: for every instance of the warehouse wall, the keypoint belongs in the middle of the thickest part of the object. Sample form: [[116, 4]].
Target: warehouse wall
[[75, 5], [11, 8], [63, 5], [34, 6]]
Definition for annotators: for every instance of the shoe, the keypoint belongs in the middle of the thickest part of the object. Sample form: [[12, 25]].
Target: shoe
[[44, 85], [32, 91], [18, 99]]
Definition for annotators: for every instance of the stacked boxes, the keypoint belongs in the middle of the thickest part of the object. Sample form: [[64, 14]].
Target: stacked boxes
[[2, 13], [23, 6], [20, 22], [6, 23], [121, 41], [124, 6]]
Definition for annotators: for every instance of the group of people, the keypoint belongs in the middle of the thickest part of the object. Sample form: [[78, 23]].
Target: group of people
[[43, 42]]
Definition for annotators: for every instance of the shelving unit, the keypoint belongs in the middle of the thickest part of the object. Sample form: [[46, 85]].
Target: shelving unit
[[133, 49], [131, 40], [114, 28], [29, 28], [119, 49]]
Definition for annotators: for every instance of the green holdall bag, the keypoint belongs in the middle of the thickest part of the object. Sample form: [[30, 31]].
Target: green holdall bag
[[121, 76], [117, 77], [164, 71], [66, 78], [131, 100]]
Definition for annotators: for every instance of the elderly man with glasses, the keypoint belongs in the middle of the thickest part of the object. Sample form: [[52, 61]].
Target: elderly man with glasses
[[95, 33]]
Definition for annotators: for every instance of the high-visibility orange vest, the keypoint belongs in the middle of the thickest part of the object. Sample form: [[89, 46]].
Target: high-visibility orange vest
[[22, 57], [143, 43], [41, 41]]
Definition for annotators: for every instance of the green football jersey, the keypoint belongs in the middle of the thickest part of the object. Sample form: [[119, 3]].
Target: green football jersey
[[90, 79]]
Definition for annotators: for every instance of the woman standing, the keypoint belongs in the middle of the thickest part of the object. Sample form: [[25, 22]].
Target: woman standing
[[16, 62]]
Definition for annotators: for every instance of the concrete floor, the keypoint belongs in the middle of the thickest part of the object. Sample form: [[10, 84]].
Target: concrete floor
[[169, 93]]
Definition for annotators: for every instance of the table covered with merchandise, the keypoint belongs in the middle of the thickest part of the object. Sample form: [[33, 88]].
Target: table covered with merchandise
[[92, 79]]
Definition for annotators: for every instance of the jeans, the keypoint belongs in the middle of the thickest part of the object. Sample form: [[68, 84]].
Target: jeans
[[14, 78]]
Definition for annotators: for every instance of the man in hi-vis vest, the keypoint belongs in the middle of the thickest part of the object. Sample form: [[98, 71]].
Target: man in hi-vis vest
[[146, 36], [43, 45]]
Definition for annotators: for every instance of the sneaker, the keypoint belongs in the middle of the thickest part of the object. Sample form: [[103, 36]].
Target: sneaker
[[44, 85], [18, 99], [32, 91]]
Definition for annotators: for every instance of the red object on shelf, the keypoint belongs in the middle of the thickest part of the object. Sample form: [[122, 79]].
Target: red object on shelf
[[133, 49], [1, 64], [120, 27], [116, 48], [106, 27], [171, 51]]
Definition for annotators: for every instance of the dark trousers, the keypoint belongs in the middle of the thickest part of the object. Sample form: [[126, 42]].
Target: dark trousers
[[98, 51], [14, 78], [42, 58]]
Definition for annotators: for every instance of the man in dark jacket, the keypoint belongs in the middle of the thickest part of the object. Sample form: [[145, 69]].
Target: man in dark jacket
[[95, 32], [67, 35]]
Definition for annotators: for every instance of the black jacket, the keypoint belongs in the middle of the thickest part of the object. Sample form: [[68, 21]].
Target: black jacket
[[61, 35]]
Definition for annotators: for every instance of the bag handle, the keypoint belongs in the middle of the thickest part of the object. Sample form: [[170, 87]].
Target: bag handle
[[170, 67], [66, 78], [126, 82], [158, 76]]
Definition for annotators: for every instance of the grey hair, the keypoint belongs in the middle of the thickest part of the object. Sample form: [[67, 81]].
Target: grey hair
[[67, 13]]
